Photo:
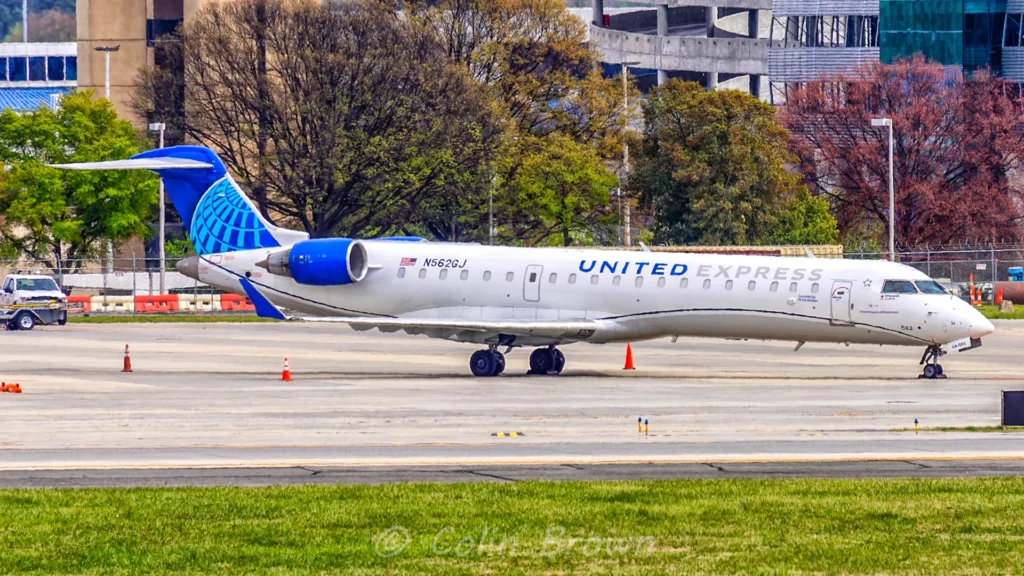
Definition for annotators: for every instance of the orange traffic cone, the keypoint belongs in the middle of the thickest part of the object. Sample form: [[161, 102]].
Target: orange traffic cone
[[16, 389], [629, 358], [127, 360], [999, 296], [3, 386], [286, 376]]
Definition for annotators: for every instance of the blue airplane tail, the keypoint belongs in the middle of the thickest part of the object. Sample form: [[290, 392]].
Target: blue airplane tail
[[217, 214]]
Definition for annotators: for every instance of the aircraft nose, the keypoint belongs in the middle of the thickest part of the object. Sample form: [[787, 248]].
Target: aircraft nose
[[189, 267], [980, 326]]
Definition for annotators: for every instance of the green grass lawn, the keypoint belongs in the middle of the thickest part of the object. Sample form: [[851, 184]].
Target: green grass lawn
[[156, 318], [964, 429], [968, 526], [992, 312]]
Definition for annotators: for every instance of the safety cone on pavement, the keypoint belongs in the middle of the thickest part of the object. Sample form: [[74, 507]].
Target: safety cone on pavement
[[999, 296], [629, 358], [127, 360], [286, 376], [3, 386]]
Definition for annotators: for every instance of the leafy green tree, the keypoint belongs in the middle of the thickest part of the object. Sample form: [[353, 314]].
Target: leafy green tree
[[713, 170], [59, 216], [558, 194]]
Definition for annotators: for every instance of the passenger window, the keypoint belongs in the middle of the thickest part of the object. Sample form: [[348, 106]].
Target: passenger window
[[464, 275], [533, 277], [898, 287], [423, 273], [684, 282], [792, 286], [639, 281], [552, 278], [707, 284], [814, 288], [593, 279], [751, 285], [774, 287], [661, 282], [572, 278], [616, 280], [401, 272], [487, 275], [443, 274], [728, 284], [509, 276]]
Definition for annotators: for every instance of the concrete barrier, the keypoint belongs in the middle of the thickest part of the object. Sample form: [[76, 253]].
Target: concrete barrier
[[198, 303], [236, 303], [158, 304], [123, 304], [79, 304]]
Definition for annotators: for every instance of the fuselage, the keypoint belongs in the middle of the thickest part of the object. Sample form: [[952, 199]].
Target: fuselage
[[634, 295]]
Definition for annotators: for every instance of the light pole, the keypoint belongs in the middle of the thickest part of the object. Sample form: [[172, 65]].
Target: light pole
[[24, 21], [106, 57], [106, 83], [160, 127], [624, 175], [887, 122]]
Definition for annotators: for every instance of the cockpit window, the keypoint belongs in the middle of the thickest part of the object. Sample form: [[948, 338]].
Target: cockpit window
[[898, 287], [930, 287]]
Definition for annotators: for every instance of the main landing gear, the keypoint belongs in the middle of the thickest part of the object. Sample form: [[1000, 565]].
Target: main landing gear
[[490, 362], [930, 360], [546, 361]]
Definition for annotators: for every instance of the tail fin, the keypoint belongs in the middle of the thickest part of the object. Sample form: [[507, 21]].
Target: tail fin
[[218, 216]]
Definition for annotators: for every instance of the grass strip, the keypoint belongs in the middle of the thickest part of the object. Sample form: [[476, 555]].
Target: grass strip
[[941, 526]]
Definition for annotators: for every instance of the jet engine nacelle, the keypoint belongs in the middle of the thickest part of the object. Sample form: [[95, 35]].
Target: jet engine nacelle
[[322, 262]]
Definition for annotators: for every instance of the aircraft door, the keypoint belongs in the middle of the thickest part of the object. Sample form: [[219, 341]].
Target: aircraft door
[[842, 303], [531, 283]]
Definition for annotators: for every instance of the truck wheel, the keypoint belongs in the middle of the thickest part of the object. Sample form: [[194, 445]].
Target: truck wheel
[[25, 321], [62, 320]]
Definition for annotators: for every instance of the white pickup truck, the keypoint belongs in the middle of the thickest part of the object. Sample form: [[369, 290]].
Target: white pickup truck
[[30, 299]]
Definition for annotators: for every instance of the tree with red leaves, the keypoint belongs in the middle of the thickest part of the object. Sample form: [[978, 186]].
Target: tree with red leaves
[[956, 145]]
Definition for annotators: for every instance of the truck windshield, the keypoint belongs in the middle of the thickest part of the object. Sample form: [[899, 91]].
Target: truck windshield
[[930, 287], [37, 284]]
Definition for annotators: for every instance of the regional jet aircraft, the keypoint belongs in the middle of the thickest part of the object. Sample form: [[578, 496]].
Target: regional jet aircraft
[[501, 297]]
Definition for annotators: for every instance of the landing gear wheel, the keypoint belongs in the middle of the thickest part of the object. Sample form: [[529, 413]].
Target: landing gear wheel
[[25, 321], [486, 363], [501, 362], [559, 360], [930, 360]]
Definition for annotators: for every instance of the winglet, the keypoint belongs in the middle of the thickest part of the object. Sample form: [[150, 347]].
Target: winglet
[[264, 308]]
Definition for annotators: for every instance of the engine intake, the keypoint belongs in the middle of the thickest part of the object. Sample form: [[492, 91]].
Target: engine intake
[[323, 262]]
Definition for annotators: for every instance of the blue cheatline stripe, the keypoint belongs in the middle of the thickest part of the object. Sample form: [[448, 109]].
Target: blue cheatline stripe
[[770, 312]]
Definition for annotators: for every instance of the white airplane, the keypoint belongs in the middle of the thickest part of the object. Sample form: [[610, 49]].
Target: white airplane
[[502, 297]]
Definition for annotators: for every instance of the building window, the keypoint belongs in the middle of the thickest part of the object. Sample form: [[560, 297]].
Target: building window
[[593, 279], [707, 284], [639, 281], [71, 68], [464, 275], [661, 282], [443, 274], [814, 288], [792, 286], [18, 69], [751, 285], [423, 273], [774, 287], [3, 69], [509, 276], [487, 275], [728, 284], [552, 278], [401, 272], [572, 278], [55, 68], [684, 282], [616, 280], [37, 68]]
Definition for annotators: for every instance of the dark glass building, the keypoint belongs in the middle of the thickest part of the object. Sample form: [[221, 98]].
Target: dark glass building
[[964, 33]]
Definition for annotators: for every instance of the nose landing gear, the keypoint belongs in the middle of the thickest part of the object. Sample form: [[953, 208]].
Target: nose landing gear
[[930, 360]]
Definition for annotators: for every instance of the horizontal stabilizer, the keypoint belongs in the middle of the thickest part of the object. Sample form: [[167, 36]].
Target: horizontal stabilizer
[[137, 164]]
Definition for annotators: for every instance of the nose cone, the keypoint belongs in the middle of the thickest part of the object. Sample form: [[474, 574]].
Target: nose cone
[[980, 326], [189, 267]]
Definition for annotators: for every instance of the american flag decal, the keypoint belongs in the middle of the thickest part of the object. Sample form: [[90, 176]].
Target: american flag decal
[[407, 262]]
